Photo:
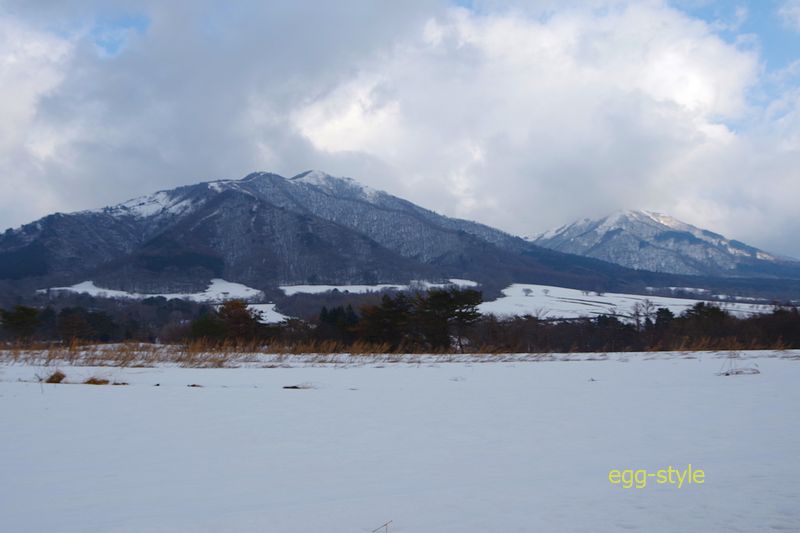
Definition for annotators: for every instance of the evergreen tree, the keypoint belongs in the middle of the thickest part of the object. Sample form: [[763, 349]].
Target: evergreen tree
[[337, 323], [388, 322], [73, 324], [241, 323], [208, 327], [21, 322], [444, 312]]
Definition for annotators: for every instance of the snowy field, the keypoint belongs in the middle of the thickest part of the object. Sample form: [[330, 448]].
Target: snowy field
[[434, 446], [519, 299], [220, 290], [545, 301]]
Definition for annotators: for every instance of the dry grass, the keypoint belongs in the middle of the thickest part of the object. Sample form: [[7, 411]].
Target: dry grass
[[56, 377], [126, 355], [96, 381], [197, 354], [212, 355], [708, 344]]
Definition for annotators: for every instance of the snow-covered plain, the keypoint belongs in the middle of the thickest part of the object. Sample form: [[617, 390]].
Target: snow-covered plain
[[434, 446], [546, 301], [519, 299]]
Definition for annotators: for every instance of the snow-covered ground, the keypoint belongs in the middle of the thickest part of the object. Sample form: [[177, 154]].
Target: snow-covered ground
[[433, 447], [268, 313], [546, 301], [518, 299], [290, 290], [219, 290]]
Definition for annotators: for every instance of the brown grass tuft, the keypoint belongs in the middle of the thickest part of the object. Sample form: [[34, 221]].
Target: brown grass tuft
[[56, 377], [96, 381]]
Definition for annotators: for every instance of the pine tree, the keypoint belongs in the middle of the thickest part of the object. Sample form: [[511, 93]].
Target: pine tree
[[442, 313], [21, 322], [240, 321]]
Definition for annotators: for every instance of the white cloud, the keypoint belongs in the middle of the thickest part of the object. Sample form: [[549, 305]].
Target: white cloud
[[790, 12], [354, 117], [32, 64], [523, 115], [574, 114]]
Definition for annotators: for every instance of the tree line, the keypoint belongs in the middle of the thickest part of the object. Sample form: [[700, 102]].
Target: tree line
[[439, 320]]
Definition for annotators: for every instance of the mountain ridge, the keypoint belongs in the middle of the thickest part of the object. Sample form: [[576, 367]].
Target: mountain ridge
[[647, 240], [265, 230]]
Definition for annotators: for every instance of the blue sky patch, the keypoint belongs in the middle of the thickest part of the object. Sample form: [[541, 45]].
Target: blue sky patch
[[110, 34]]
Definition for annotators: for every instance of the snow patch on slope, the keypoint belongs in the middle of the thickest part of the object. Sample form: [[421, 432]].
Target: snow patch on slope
[[219, 290], [268, 313], [160, 203], [218, 186], [290, 290], [333, 184], [545, 301]]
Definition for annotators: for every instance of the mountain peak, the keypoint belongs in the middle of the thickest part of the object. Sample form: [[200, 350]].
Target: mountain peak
[[185, 199], [648, 240], [336, 185], [264, 230], [315, 177], [659, 218]]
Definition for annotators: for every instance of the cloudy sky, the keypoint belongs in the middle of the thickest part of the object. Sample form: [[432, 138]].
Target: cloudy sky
[[523, 115]]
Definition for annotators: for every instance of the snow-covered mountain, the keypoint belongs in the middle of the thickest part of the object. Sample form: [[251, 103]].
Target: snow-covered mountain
[[645, 240], [264, 230]]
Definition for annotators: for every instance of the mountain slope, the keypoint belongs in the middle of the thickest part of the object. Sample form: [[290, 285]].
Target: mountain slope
[[241, 237], [645, 240], [265, 229]]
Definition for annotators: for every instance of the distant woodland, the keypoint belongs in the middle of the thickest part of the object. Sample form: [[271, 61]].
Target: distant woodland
[[434, 321]]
